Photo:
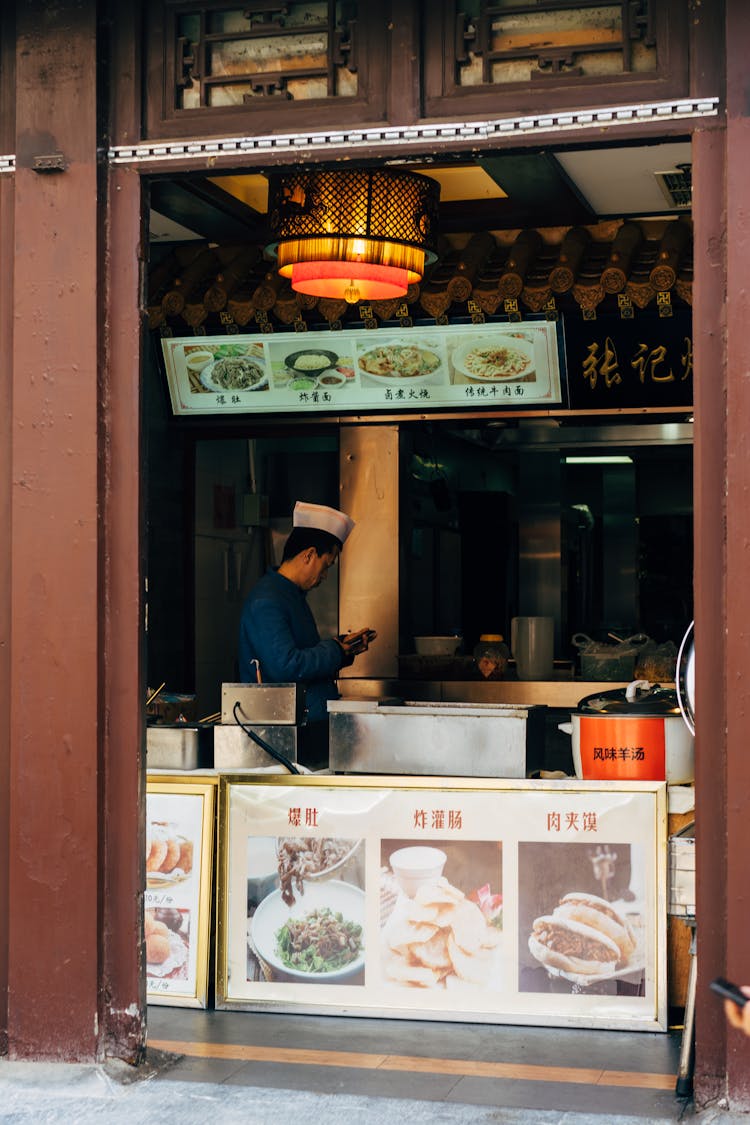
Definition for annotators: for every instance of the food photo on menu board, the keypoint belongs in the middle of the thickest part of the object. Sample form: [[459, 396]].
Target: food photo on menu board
[[406, 363], [173, 838], [441, 914], [306, 910], [169, 863], [227, 366], [305, 369], [581, 919]]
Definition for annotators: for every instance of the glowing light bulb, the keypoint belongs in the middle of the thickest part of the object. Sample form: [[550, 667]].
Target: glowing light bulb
[[351, 294]]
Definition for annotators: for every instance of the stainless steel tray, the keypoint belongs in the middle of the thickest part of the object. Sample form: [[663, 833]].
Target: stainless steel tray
[[179, 747]]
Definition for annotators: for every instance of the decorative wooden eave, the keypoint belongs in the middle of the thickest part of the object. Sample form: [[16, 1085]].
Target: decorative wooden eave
[[579, 269]]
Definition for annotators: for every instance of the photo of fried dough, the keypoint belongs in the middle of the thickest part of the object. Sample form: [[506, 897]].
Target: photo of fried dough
[[167, 934], [436, 935], [169, 854]]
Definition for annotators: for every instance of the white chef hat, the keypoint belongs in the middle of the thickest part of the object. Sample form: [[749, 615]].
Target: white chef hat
[[323, 519]]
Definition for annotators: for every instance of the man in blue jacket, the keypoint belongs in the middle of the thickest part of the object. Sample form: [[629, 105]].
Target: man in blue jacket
[[279, 640]]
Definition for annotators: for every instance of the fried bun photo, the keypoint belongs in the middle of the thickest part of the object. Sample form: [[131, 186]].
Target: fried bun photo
[[583, 935]]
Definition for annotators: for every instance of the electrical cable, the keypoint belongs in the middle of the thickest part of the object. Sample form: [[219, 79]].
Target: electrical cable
[[262, 742]]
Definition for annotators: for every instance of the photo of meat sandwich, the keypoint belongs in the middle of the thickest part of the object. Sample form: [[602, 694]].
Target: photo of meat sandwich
[[571, 947], [581, 925]]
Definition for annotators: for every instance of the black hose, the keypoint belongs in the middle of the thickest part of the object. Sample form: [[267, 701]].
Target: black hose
[[262, 742]]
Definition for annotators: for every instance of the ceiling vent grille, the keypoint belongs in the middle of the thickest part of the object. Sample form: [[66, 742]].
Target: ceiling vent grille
[[676, 186]]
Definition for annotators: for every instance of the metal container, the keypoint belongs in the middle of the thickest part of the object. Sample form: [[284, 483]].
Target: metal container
[[301, 745], [179, 747], [235, 750], [443, 739], [261, 703]]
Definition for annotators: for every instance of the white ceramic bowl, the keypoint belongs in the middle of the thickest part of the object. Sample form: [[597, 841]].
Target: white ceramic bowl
[[197, 360], [437, 646], [413, 867], [273, 912], [331, 379], [512, 352]]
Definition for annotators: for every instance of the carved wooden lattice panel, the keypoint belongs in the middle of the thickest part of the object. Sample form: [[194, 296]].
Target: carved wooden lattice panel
[[263, 52], [508, 42]]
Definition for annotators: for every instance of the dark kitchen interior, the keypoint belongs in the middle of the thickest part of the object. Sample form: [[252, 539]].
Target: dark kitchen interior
[[472, 489]]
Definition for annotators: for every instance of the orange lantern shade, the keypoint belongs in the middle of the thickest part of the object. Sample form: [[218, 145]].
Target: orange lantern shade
[[349, 281], [354, 235]]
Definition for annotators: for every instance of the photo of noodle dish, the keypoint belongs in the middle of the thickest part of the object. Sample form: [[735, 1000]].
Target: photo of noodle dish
[[495, 359], [401, 364], [234, 373], [320, 939]]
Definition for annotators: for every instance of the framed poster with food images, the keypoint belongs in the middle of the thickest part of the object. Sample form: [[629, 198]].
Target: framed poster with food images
[[180, 834], [498, 365], [536, 902]]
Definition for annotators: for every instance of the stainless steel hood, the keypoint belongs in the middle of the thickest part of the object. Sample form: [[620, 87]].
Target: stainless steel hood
[[541, 435]]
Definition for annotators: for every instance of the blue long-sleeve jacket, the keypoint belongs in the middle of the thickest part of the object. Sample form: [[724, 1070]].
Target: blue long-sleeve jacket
[[278, 629]]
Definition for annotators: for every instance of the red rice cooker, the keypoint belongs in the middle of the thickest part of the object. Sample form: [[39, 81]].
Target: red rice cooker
[[635, 733]]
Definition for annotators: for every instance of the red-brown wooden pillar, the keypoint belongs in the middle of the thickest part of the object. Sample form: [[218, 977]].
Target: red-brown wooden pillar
[[123, 970], [721, 168], [7, 143], [74, 732]]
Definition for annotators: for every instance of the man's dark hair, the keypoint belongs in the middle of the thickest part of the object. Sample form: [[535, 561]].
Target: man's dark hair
[[303, 537]]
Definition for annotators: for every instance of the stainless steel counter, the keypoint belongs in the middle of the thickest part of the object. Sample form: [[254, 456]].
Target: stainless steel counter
[[556, 693]]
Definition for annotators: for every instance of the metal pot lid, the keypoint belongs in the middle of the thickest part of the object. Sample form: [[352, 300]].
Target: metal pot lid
[[686, 678], [638, 698]]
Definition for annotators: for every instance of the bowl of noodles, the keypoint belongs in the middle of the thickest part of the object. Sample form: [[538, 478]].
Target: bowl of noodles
[[495, 359], [400, 365]]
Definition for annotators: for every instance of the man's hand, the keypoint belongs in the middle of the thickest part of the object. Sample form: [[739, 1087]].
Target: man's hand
[[355, 643]]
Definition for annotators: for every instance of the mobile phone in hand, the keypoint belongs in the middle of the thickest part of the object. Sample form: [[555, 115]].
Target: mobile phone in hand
[[729, 991], [361, 642]]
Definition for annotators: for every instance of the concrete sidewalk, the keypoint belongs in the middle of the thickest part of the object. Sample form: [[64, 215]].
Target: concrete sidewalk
[[78, 1094]]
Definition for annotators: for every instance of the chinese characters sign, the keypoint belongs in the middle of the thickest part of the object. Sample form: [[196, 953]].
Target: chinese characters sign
[[644, 361], [493, 365], [525, 902], [613, 747]]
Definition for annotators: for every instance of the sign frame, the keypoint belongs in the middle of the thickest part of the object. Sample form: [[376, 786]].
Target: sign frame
[[189, 894], [377, 811], [426, 367]]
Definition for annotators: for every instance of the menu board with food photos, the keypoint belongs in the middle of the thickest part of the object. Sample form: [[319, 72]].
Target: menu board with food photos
[[518, 902], [180, 816], [497, 365]]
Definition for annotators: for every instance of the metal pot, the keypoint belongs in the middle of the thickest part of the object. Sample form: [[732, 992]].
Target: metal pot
[[632, 734]]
